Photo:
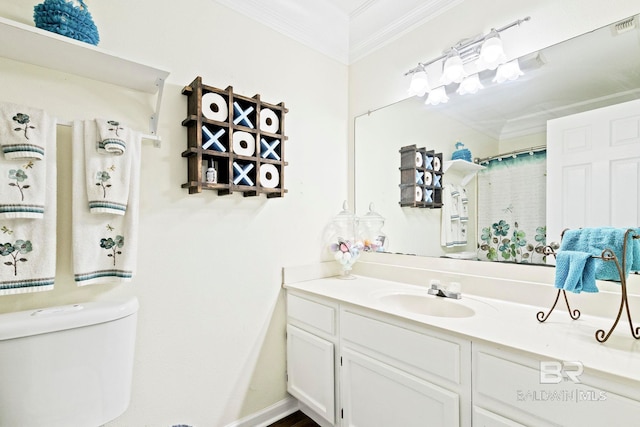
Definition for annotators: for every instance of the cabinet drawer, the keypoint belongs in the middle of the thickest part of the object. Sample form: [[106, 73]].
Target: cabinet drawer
[[514, 387], [484, 418], [312, 314], [436, 356]]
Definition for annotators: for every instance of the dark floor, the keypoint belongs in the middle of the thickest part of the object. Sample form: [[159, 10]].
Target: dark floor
[[297, 419]]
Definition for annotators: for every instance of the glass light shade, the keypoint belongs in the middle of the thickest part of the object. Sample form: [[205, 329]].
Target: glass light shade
[[470, 84], [370, 231], [341, 239], [419, 83], [437, 96], [453, 69], [509, 71], [491, 52]]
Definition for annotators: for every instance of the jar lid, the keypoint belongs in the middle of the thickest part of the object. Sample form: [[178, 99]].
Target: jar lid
[[372, 215], [345, 214]]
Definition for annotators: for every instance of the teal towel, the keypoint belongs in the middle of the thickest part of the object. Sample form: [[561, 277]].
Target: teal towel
[[635, 263], [575, 272], [596, 240]]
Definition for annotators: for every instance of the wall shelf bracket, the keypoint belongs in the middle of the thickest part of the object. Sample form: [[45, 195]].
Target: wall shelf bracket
[[153, 120]]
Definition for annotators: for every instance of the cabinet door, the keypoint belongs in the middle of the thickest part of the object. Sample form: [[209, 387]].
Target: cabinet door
[[375, 394], [310, 371]]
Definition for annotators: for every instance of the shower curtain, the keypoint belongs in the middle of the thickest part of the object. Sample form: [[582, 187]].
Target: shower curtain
[[512, 208]]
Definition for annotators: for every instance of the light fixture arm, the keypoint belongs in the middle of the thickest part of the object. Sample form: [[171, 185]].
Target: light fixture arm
[[466, 44]]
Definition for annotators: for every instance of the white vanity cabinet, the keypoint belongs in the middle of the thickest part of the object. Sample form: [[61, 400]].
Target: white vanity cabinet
[[395, 373], [512, 388], [312, 356], [351, 367]]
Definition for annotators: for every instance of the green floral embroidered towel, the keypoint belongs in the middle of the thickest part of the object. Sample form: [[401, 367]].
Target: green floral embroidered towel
[[108, 166], [25, 133], [28, 246], [104, 246]]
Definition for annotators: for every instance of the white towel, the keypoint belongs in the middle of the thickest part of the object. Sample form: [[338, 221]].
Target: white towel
[[446, 230], [463, 204], [112, 136], [105, 247], [454, 204], [107, 175], [28, 246], [460, 226], [23, 181], [453, 222], [24, 131]]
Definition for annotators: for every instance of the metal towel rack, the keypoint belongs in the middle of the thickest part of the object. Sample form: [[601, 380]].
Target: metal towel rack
[[609, 256]]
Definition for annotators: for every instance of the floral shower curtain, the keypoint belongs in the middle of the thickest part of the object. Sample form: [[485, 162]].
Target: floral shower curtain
[[512, 208]]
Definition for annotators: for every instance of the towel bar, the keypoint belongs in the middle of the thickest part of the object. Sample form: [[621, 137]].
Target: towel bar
[[607, 255], [155, 138]]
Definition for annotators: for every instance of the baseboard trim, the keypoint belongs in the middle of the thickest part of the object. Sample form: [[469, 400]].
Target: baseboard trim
[[268, 415]]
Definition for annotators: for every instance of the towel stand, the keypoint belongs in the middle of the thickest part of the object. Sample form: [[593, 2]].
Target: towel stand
[[155, 138], [609, 256]]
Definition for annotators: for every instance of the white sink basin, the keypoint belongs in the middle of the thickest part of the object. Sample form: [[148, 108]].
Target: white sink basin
[[428, 305]]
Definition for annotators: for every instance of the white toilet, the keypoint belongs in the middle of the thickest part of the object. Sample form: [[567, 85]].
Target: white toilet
[[67, 366]]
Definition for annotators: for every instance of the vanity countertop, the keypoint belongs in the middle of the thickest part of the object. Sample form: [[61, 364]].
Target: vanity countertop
[[500, 322]]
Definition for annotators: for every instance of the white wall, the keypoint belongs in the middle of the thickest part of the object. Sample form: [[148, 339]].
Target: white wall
[[522, 142], [210, 347]]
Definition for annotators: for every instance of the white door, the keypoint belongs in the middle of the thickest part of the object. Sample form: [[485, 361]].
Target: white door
[[593, 169], [310, 374], [375, 394]]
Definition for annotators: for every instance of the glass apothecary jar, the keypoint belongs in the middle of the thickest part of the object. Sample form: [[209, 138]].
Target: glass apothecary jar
[[342, 240], [370, 231]]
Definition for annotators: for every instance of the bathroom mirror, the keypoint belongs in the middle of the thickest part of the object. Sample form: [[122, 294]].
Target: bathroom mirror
[[594, 70]]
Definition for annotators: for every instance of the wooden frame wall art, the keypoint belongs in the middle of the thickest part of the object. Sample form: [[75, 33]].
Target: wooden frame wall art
[[421, 177], [234, 143]]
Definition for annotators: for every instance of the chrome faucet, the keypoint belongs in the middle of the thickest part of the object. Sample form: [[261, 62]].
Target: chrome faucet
[[439, 291]]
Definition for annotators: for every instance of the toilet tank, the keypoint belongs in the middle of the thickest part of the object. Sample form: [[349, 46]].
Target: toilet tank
[[67, 366]]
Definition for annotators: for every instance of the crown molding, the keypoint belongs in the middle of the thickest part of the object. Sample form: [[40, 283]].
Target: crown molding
[[345, 37], [319, 24], [396, 27]]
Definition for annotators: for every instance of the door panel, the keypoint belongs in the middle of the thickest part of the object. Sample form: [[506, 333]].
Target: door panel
[[593, 169]]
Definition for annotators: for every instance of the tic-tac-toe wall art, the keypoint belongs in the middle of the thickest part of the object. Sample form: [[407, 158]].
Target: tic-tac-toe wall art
[[421, 177], [234, 143]]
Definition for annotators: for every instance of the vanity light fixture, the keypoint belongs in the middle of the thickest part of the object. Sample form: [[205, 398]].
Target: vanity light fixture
[[419, 83], [437, 96], [462, 63], [491, 52], [470, 84], [508, 71], [453, 69]]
